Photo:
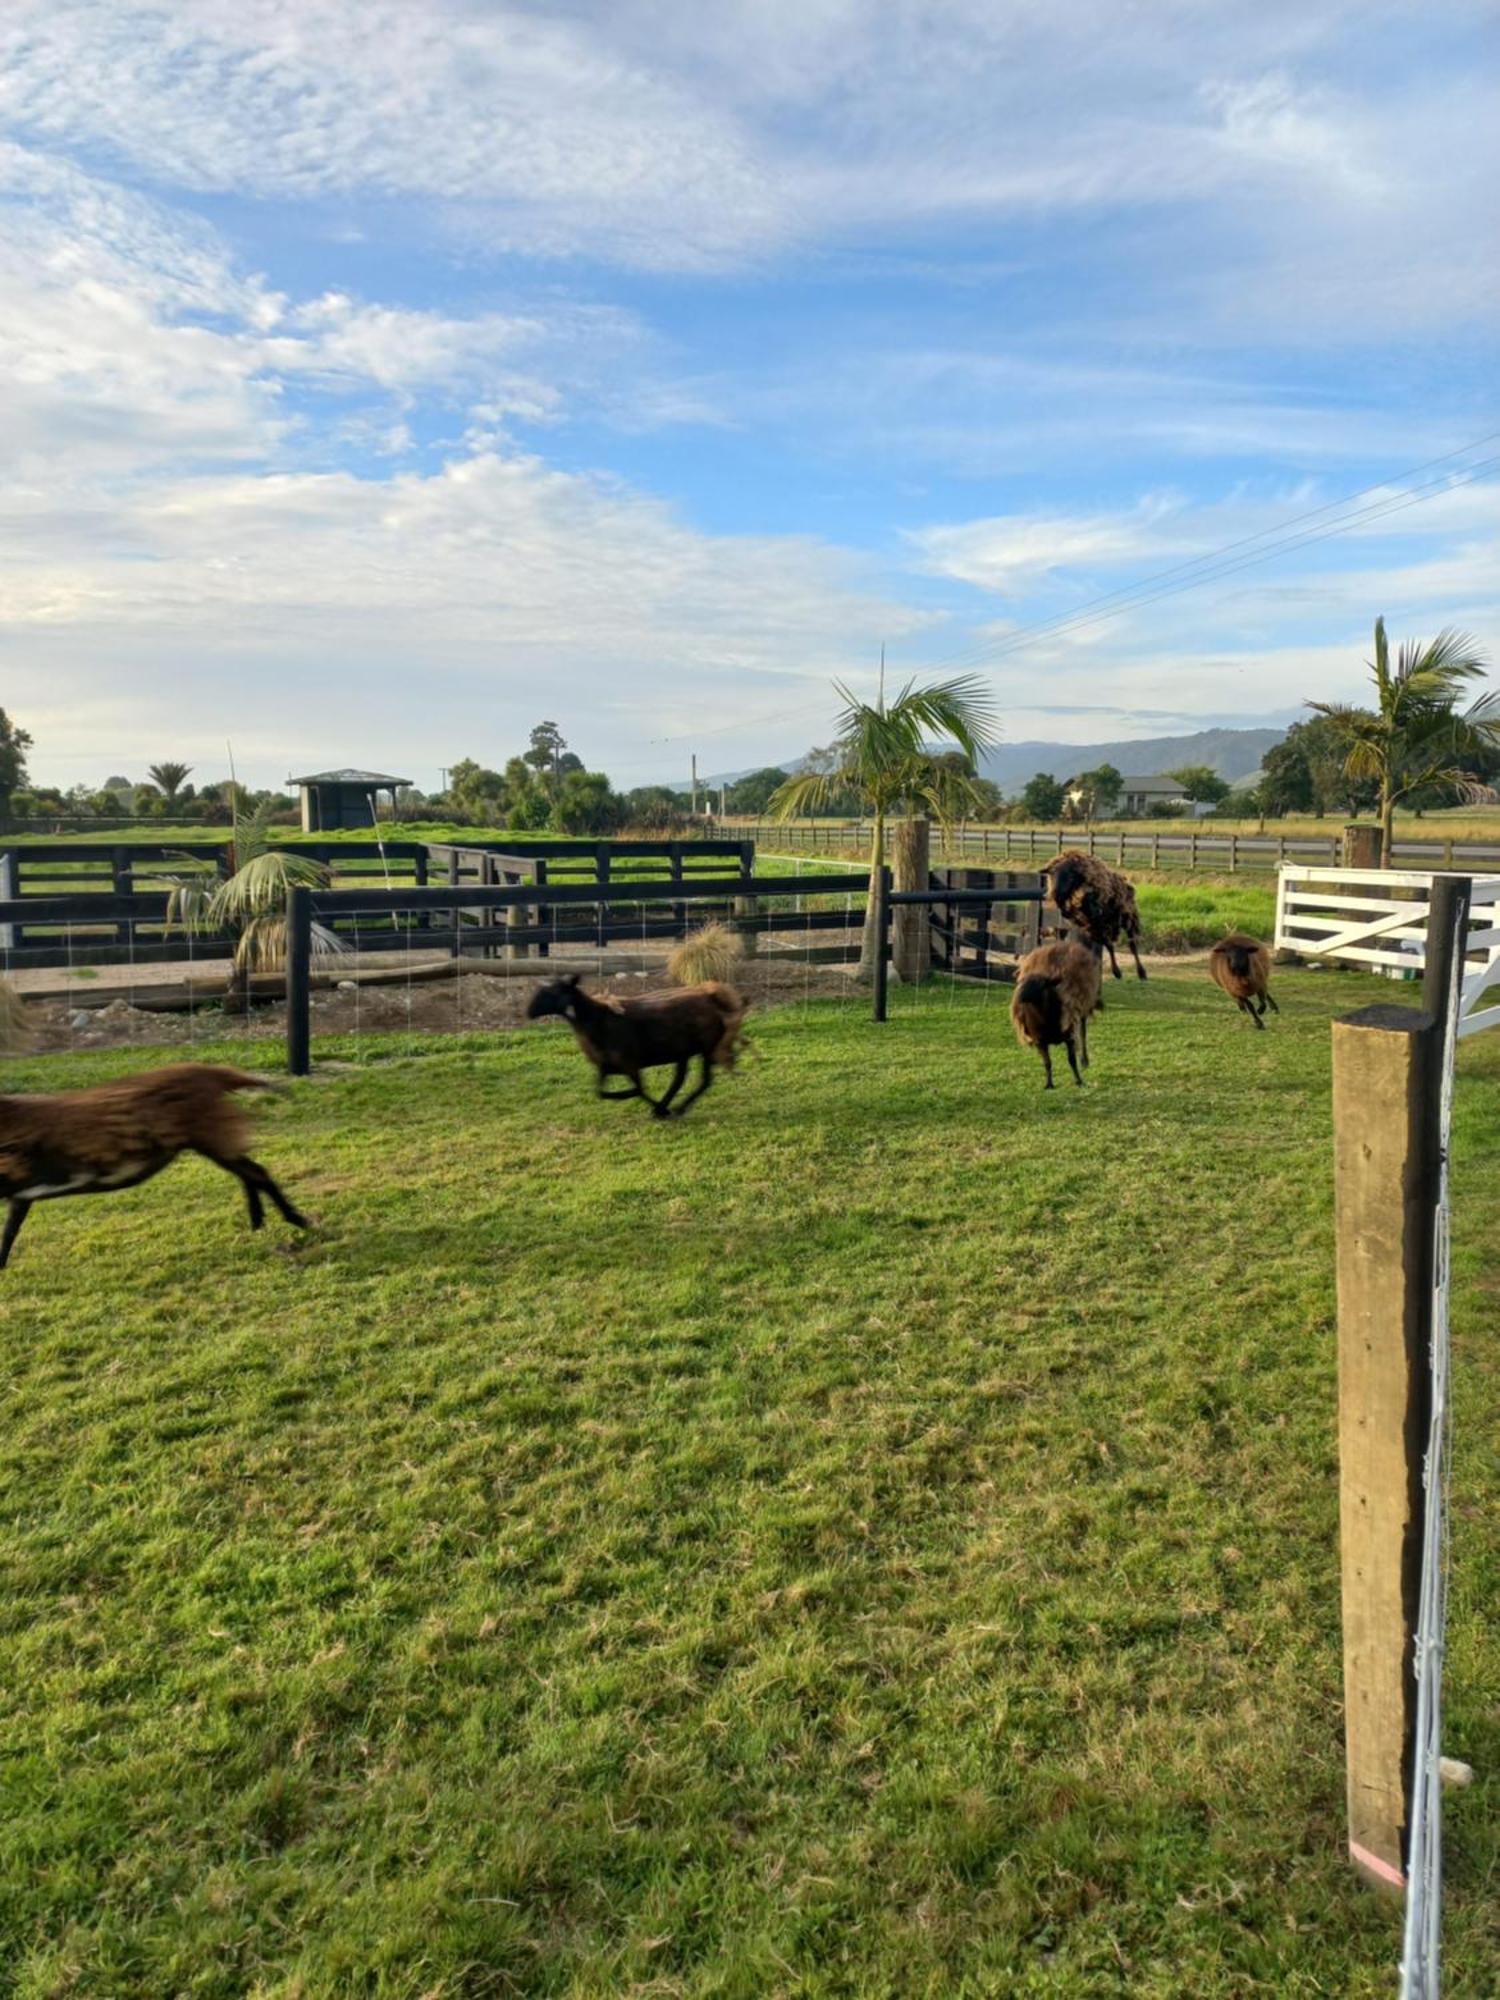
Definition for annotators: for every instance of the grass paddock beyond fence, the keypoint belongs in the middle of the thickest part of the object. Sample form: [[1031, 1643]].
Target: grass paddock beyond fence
[[877, 1536]]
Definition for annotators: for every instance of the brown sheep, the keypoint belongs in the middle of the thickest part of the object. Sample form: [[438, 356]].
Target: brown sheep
[[1242, 966], [1098, 901], [116, 1135], [1057, 988], [624, 1037]]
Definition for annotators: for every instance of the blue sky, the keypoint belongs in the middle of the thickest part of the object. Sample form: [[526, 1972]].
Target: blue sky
[[380, 378]]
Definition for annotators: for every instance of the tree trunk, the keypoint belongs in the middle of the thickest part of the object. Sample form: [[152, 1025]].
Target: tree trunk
[[869, 943], [1387, 819]]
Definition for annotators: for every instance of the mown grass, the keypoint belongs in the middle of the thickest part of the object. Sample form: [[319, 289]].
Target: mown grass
[[875, 1537]]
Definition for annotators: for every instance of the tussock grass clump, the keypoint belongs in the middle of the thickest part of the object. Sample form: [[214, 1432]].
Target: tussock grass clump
[[15, 1022], [713, 951]]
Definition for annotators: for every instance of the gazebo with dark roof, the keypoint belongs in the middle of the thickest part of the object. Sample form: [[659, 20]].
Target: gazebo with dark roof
[[334, 799]]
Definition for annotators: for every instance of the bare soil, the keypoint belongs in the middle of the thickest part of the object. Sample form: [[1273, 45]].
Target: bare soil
[[475, 1001]]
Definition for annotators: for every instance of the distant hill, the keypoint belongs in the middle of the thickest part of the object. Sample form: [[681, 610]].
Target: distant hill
[[1232, 753]]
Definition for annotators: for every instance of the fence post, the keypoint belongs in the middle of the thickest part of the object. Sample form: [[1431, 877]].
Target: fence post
[[1361, 846], [299, 981], [912, 855], [517, 917], [120, 884], [882, 939], [419, 870], [9, 893], [539, 876], [1387, 1092], [747, 908]]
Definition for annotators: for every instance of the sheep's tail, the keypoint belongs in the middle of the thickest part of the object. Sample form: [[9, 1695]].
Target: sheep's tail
[[229, 1078], [725, 998]]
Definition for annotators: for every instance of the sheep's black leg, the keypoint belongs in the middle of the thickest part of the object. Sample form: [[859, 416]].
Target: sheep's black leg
[[1114, 963], [15, 1215], [616, 1096], [1135, 952], [1256, 1019], [1047, 1065], [1083, 1042], [662, 1106], [1269, 1002], [1073, 1061], [703, 1082], [253, 1177]]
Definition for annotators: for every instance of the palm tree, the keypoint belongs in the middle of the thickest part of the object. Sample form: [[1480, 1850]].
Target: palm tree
[[880, 754], [1416, 734], [251, 902], [169, 778]]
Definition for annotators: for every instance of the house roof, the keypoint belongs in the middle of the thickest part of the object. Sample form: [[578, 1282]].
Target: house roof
[[1169, 787], [378, 779]]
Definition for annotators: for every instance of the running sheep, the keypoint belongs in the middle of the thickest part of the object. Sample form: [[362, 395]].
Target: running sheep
[[625, 1037], [1096, 901], [116, 1135], [1057, 989], [1242, 966]]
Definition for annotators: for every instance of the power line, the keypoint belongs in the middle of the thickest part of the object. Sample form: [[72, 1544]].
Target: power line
[[1284, 538], [1210, 566]]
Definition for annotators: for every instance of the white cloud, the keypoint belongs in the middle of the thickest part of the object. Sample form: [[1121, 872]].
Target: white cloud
[[673, 135]]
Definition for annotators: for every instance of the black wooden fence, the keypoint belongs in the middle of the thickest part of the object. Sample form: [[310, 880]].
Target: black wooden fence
[[65, 903], [551, 913]]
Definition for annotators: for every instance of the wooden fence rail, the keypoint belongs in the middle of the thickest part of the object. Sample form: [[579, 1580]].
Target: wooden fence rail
[[1159, 845]]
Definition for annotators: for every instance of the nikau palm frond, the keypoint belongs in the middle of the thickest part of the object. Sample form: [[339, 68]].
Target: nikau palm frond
[[250, 904], [884, 755], [1416, 735]]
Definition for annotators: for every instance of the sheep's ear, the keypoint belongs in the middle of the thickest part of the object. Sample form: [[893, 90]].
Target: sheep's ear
[[572, 978]]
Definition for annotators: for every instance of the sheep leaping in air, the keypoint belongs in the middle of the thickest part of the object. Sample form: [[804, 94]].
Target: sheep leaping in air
[[1097, 901]]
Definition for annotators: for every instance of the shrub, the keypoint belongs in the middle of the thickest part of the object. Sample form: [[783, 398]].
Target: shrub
[[712, 952]]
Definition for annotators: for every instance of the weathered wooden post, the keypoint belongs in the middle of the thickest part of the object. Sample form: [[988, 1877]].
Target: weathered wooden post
[[121, 882], [1387, 1085], [299, 981], [911, 857], [1361, 846]]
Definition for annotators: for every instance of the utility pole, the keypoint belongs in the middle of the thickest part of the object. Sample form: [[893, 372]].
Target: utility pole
[[695, 784]]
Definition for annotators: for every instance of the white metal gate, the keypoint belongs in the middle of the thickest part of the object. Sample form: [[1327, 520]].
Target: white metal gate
[[1378, 918]]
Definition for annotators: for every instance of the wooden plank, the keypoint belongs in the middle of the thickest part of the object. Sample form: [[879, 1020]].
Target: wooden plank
[[1386, 1065]]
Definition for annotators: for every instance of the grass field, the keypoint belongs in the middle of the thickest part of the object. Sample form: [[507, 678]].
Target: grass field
[[875, 1537]]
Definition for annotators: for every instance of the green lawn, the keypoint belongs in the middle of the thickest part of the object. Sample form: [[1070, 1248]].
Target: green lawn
[[877, 1536]]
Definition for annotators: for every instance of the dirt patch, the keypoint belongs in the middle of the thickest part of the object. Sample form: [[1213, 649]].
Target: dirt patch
[[473, 1002]]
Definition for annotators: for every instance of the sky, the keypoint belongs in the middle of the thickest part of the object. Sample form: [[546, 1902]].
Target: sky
[[378, 378]]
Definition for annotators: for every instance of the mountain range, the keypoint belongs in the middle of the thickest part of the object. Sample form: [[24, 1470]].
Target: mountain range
[[1232, 753]]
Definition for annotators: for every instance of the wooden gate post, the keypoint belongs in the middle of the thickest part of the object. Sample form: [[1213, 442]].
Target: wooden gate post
[[911, 859], [1387, 1084], [1361, 846]]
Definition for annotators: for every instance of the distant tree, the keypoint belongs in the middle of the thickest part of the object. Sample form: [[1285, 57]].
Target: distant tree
[[545, 754], [477, 795], [14, 743], [1417, 738], [754, 792], [657, 807], [1043, 797], [170, 778], [1286, 782], [585, 804], [1202, 785], [1092, 793], [881, 757]]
